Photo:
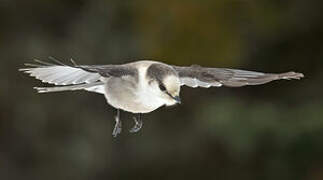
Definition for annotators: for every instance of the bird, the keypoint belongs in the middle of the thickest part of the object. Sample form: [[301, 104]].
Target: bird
[[141, 86]]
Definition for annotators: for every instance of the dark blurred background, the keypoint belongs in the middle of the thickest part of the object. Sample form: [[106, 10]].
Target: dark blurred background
[[272, 131]]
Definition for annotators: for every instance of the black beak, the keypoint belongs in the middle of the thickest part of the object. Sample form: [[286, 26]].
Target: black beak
[[177, 99]]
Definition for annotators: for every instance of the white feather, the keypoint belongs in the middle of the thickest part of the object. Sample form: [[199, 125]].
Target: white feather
[[62, 75]]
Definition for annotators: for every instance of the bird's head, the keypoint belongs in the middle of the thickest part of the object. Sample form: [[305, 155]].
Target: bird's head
[[164, 82]]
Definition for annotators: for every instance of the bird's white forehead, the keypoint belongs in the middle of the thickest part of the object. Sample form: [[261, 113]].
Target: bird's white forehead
[[171, 79], [172, 84]]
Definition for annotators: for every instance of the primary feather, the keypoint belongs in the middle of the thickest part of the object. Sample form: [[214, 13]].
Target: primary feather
[[197, 76], [69, 78], [62, 75]]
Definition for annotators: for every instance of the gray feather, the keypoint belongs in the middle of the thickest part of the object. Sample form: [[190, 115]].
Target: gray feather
[[197, 76]]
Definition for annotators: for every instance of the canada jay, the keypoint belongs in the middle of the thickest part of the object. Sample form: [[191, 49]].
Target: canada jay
[[141, 86]]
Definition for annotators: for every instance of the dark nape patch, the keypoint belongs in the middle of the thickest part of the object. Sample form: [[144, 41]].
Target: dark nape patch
[[159, 71]]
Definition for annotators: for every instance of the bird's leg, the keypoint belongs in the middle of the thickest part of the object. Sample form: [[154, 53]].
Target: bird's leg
[[138, 124], [117, 126]]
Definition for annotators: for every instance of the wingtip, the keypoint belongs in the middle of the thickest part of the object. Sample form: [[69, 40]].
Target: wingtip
[[291, 75]]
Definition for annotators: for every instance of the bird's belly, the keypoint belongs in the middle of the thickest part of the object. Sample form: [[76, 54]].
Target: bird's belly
[[125, 96]]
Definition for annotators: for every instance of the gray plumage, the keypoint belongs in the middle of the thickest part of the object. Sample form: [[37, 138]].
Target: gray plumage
[[192, 76], [92, 77], [197, 76], [141, 86]]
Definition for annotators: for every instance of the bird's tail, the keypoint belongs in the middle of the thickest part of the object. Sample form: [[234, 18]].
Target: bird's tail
[[97, 87]]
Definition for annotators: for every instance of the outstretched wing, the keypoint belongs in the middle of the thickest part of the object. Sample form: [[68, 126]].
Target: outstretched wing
[[73, 77], [197, 76]]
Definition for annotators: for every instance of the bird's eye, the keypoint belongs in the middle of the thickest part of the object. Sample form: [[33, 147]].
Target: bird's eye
[[162, 87]]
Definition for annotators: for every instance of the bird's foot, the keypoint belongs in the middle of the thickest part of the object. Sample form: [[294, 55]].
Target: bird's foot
[[117, 127], [137, 126]]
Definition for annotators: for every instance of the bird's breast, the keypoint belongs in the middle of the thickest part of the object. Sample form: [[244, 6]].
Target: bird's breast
[[131, 96]]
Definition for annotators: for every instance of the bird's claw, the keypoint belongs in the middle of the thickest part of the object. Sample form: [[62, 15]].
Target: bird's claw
[[137, 126]]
